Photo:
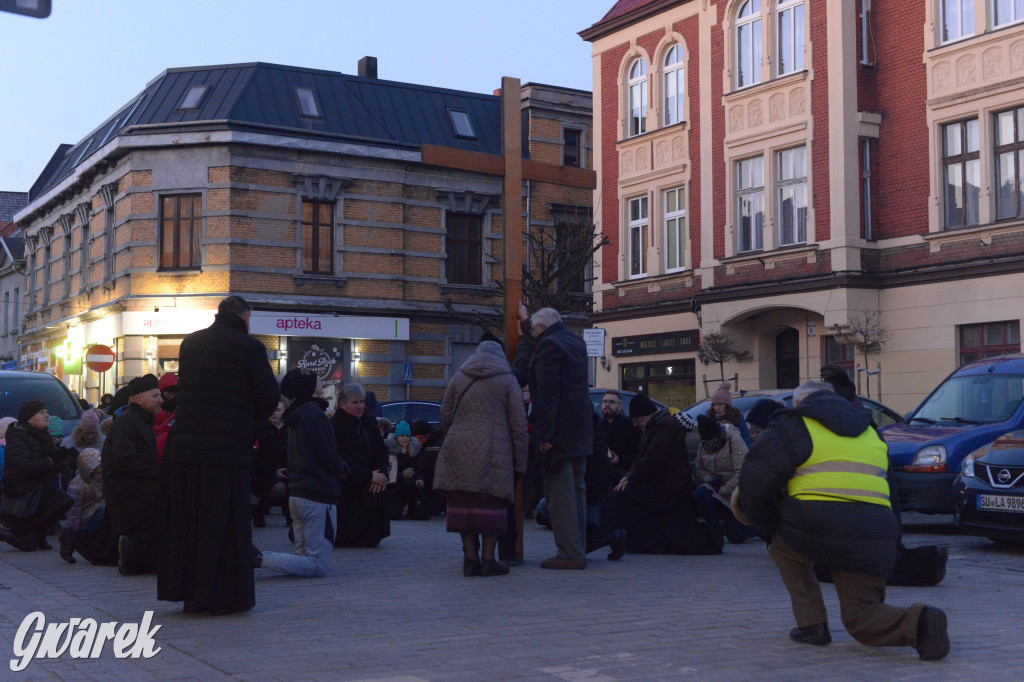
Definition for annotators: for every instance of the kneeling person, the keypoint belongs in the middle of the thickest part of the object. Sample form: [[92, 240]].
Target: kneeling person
[[315, 470]]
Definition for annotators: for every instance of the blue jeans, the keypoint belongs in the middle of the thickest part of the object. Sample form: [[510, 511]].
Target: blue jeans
[[312, 548], [567, 506]]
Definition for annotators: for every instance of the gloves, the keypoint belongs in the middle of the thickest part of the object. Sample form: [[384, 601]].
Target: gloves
[[715, 482]]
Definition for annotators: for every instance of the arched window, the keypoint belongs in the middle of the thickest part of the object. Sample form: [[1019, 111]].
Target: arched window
[[637, 97], [675, 85], [748, 43], [790, 38]]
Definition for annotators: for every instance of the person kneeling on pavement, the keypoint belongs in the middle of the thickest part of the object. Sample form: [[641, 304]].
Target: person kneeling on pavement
[[87, 528], [405, 489], [653, 503], [315, 471], [814, 482], [717, 473]]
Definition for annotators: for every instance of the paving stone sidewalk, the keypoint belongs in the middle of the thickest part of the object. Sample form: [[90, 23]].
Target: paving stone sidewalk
[[403, 612]]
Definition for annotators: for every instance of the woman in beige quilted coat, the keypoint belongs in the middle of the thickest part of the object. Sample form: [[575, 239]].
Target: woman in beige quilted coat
[[486, 442]]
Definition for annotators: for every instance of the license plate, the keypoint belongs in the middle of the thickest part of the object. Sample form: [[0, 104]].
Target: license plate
[[1002, 503]]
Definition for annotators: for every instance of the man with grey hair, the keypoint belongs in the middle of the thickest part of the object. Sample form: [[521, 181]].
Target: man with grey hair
[[815, 483], [225, 387], [563, 429]]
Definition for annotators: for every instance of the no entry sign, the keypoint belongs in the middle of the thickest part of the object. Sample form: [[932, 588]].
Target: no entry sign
[[99, 358]]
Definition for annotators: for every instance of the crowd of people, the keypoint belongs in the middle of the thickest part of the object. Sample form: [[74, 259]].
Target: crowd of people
[[171, 474]]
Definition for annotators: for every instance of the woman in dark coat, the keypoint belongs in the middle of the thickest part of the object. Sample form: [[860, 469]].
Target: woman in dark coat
[[32, 502], [363, 519]]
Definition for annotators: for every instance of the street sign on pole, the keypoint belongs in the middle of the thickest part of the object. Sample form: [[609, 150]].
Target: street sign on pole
[[99, 358], [594, 338], [407, 373]]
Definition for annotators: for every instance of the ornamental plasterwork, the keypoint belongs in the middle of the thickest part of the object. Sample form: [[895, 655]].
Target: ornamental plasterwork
[[747, 115], [983, 61]]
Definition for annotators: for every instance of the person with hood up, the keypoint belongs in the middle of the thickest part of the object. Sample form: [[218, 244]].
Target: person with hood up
[[86, 434], [315, 472], [31, 502], [814, 483], [86, 528], [485, 447], [405, 487], [716, 471], [4, 424]]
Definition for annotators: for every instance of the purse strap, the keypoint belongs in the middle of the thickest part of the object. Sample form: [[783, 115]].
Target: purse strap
[[462, 395]]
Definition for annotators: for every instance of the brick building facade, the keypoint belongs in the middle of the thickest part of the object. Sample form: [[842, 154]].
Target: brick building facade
[[777, 169], [307, 193]]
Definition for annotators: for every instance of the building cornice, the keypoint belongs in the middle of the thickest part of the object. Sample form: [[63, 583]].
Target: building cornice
[[603, 28]]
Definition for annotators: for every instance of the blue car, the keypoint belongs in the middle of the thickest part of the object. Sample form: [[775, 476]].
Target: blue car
[[973, 407], [990, 490]]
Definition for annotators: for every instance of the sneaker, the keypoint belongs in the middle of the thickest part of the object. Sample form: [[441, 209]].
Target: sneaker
[[492, 567], [557, 562], [812, 634], [932, 638], [471, 567]]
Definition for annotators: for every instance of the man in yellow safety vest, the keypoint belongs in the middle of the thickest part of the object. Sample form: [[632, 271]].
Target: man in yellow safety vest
[[815, 483]]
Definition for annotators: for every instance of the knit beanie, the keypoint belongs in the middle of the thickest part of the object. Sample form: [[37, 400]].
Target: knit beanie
[[56, 427], [708, 428], [90, 422], [723, 394], [403, 429], [686, 420], [298, 384], [641, 406], [421, 427], [168, 380], [29, 410], [146, 382], [762, 411]]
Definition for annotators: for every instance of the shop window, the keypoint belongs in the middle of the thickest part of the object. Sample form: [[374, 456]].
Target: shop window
[[181, 218], [317, 237], [961, 166], [988, 340], [464, 248], [672, 383]]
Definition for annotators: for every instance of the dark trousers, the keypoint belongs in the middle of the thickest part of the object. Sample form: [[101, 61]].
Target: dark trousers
[[714, 511], [862, 605]]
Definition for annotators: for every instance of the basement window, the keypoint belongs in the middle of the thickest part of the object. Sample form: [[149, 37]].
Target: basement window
[[193, 97], [461, 124], [307, 102]]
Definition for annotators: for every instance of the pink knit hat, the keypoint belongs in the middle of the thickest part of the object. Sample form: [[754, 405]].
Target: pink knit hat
[[90, 422], [723, 394]]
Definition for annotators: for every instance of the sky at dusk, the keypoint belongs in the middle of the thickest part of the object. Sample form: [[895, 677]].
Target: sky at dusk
[[61, 77]]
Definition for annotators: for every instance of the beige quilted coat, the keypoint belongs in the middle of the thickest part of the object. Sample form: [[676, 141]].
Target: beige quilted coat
[[486, 435]]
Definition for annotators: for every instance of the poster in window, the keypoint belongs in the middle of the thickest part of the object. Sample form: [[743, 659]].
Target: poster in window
[[323, 357]]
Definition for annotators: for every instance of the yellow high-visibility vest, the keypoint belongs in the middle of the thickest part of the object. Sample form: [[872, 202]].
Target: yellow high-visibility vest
[[842, 469]]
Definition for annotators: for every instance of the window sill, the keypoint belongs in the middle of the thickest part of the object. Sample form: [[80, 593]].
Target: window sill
[[480, 289], [770, 258], [984, 233], [788, 79], [179, 271], [675, 127], [654, 283], [303, 279]]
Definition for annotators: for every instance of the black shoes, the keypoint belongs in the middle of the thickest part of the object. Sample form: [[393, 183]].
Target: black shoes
[[812, 634], [932, 638], [257, 557], [617, 543], [491, 567], [471, 567], [67, 547]]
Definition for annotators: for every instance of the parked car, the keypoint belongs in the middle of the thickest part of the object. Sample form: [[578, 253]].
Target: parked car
[[597, 393], [744, 400], [970, 409], [990, 490], [411, 410], [18, 387]]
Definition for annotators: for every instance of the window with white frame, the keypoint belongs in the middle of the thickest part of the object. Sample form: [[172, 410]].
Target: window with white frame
[[1009, 157], [748, 43], [789, 41], [639, 237], [961, 166], [750, 204], [1007, 12], [791, 178], [957, 19], [675, 229], [674, 85], [637, 97]]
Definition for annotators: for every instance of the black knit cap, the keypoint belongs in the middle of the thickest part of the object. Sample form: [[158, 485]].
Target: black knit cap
[[488, 336], [298, 384], [146, 382], [29, 410], [708, 428], [762, 411], [641, 406], [421, 427], [840, 380]]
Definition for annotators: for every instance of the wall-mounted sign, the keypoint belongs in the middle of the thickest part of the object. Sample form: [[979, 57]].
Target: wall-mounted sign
[[651, 344], [594, 338], [329, 326], [323, 358], [166, 321]]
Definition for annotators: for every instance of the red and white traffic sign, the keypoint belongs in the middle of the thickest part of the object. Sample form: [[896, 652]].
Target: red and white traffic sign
[[99, 358]]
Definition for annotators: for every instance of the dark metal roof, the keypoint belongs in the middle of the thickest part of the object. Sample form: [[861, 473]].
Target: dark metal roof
[[368, 109], [16, 245], [11, 203]]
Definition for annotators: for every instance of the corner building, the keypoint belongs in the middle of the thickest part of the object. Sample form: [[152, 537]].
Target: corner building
[[361, 217], [775, 168]]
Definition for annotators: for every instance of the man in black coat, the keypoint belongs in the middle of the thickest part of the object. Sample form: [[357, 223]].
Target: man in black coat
[[225, 387], [814, 482], [564, 430], [623, 437], [131, 478]]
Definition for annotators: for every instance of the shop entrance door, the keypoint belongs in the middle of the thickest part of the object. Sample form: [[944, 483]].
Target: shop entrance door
[[787, 358]]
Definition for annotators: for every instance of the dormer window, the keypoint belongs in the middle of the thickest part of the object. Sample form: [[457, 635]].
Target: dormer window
[[193, 97], [461, 124], [307, 102]]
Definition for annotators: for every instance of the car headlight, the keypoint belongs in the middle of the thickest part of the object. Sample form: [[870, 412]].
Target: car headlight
[[967, 470], [929, 459]]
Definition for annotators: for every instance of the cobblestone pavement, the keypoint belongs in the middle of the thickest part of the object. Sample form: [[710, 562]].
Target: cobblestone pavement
[[404, 613]]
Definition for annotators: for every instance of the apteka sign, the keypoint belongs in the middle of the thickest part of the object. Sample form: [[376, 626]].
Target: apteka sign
[[82, 638]]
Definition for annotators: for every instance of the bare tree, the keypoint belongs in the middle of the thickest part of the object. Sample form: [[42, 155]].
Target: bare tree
[[867, 325], [718, 348]]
